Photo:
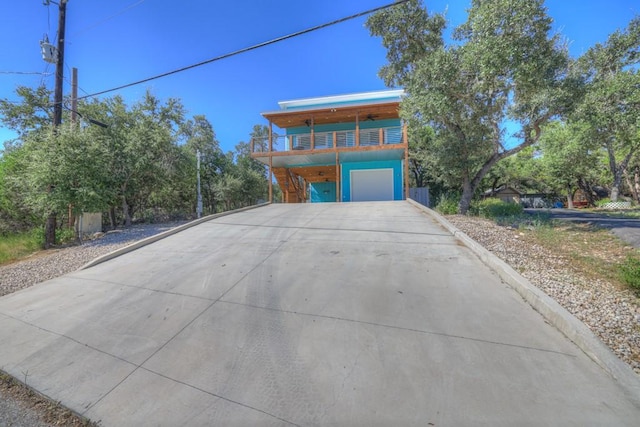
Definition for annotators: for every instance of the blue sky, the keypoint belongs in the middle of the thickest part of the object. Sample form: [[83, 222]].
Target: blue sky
[[116, 42]]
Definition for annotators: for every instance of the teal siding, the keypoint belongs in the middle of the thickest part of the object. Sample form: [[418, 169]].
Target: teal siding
[[396, 165], [322, 192]]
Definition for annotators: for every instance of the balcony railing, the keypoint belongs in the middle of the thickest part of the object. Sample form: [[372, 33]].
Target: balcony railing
[[325, 140]]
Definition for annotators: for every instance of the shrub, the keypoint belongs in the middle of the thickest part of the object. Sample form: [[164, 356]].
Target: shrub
[[630, 272], [495, 208], [448, 205]]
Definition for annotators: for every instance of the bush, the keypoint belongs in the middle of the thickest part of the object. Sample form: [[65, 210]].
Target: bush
[[495, 208], [448, 205], [630, 272]]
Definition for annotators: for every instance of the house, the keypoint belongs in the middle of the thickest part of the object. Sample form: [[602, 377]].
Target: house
[[505, 193], [337, 148]]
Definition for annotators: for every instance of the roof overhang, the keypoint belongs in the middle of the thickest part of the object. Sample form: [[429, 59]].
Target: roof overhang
[[334, 113]]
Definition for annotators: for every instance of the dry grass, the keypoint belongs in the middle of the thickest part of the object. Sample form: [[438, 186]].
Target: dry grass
[[17, 246], [51, 413], [592, 251]]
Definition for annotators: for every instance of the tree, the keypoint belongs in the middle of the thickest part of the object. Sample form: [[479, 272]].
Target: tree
[[33, 113], [141, 143], [502, 67], [419, 161], [63, 167], [612, 103], [200, 136], [569, 158]]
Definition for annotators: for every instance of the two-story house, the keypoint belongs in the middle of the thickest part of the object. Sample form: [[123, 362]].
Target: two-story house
[[337, 148]]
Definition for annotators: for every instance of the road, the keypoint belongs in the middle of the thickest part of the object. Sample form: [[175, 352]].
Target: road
[[627, 229], [358, 314]]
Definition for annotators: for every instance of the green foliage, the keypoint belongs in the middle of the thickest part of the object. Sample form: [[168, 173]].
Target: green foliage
[[603, 202], [448, 204], [142, 166], [611, 105], [502, 66], [630, 272], [569, 158], [496, 208]]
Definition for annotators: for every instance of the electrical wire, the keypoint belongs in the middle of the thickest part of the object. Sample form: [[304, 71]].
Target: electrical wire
[[98, 23], [247, 49], [25, 72]]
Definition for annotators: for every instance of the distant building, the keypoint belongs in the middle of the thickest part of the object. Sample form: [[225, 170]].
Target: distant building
[[505, 193]]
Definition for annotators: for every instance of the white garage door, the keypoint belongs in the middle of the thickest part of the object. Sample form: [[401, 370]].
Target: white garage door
[[371, 185]]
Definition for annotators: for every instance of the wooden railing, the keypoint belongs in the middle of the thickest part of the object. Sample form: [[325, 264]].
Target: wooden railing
[[325, 140]]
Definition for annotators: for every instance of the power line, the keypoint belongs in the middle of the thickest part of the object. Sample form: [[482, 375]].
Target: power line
[[96, 24], [247, 49], [26, 73]]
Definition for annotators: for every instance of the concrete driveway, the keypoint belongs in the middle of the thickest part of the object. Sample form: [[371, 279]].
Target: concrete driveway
[[360, 314]]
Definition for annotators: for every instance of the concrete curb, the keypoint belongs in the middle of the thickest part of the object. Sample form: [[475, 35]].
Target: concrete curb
[[159, 236], [553, 312]]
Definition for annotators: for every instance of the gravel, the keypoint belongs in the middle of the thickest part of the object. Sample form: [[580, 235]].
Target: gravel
[[612, 314], [57, 262]]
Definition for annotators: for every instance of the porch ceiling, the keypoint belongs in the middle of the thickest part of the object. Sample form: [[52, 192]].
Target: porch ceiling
[[316, 173], [328, 157], [333, 114]]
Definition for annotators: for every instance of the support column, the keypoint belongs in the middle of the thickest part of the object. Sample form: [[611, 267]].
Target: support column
[[270, 161], [358, 129], [406, 161], [312, 143], [338, 195]]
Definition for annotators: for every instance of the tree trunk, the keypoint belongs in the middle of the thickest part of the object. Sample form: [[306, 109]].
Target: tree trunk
[[50, 231], [467, 196], [125, 212], [569, 198], [587, 190], [112, 217], [633, 186], [636, 183]]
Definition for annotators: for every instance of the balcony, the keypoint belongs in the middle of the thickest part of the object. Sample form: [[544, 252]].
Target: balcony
[[344, 140]]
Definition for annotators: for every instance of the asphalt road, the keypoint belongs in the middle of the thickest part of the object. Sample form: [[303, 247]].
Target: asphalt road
[[627, 229], [354, 314]]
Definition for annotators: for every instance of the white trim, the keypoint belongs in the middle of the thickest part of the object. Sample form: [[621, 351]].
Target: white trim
[[351, 97]]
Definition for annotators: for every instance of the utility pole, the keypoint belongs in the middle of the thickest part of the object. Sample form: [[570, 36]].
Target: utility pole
[[50, 226], [199, 206], [74, 120]]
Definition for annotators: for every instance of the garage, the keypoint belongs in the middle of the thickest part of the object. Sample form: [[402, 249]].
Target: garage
[[371, 185]]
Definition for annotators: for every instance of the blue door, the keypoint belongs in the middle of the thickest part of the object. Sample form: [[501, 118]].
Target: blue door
[[322, 192]]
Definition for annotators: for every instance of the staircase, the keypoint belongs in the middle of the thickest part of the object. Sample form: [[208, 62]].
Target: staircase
[[293, 189]]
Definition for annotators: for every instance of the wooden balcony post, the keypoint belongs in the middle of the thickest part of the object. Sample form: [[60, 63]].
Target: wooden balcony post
[[404, 133], [270, 136], [380, 136], [335, 139], [337, 176], [313, 136], [406, 161], [358, 129]]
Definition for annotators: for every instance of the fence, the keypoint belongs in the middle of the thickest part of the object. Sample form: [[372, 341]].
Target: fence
[[420, 195]]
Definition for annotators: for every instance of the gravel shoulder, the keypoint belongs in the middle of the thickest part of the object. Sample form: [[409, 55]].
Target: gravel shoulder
[[612, 314]]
